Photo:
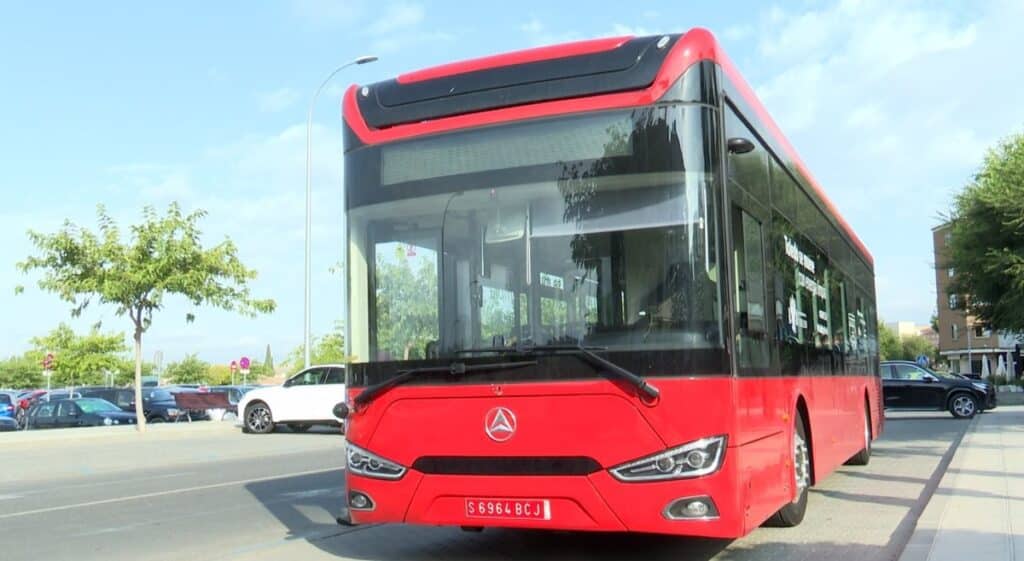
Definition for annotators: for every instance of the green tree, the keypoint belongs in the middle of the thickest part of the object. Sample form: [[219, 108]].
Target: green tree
[[986, 247], [328, 349], [220, 375], [124, 374], [889, 347], [80, 359], [406, 305], [915, 346], [189, 370], [21, 372], [163, 256], [267, 368]]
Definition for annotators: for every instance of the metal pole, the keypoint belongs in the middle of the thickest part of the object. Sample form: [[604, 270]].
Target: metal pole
[[309, 193]]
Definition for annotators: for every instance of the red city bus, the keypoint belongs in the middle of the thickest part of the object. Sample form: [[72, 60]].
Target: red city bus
[[592, 287]]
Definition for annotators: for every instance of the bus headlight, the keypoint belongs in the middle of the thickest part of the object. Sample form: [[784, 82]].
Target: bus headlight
[[693, 459], [361, 462]]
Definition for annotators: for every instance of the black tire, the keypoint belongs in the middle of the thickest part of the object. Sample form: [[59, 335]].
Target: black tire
[[962, 405], [298, 427], [156, 419], [258, 418], [793, 513], [864, 456]]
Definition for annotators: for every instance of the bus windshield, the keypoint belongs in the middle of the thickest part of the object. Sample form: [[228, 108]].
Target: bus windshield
[[615, 247]]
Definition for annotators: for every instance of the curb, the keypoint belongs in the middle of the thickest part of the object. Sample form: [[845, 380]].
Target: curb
[[919, 547]]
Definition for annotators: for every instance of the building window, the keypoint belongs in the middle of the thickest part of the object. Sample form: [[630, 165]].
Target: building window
[[947, 237], [955, 329], [950, 271], [953, 302]]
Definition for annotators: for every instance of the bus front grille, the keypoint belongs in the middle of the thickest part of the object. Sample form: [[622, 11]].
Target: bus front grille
[[530, 465]]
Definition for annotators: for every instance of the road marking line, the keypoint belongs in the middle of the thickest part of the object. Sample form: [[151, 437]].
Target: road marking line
[[165, 493], [112, 482]]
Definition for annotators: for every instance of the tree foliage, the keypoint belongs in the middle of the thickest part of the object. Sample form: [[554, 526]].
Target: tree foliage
[[80, 359], [888, 343], [328, 349], [892, 347], [986, 246], [21, 372], [189, 370], [406, 305], [162, 256]]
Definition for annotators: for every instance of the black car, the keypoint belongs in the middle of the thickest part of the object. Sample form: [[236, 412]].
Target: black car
[[80, 412], [160, 405], [906, 385], [121, 397]]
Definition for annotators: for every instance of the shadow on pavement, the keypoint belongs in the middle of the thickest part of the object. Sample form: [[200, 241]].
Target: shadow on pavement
[[306, 506]]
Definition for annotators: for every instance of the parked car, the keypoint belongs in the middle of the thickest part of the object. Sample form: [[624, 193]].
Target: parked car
[[121, 397], [159, 406], [306, 399], [905, 385], [8, 403], [79, 412], [8, 412]]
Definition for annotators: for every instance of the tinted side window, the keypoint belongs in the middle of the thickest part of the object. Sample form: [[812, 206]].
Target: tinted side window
[[307, 378], [908, 372], [749, 170], [66, 409], [335, 376], [46, 410]]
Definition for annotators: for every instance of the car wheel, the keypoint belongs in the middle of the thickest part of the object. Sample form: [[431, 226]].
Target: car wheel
[[793, 513], [963, 405], [864, 456], [258, 418], [298, 427], [155, 419]]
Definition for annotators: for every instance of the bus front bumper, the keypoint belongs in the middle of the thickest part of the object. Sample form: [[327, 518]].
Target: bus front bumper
[[596, 502]]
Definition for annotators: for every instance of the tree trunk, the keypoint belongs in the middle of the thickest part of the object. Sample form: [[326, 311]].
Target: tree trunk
[[140, 414]]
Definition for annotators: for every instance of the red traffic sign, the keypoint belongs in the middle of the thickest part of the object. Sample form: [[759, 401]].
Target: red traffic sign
[[48, 361], [244, 363], [234, 366]]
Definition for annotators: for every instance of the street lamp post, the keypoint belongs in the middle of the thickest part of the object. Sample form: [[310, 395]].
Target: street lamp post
[[309, 192]]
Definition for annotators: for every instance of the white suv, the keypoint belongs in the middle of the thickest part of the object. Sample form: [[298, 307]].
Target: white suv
[[306, 399]]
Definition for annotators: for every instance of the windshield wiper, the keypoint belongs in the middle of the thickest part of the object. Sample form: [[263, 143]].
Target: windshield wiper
[[604, 366], [453, 369]]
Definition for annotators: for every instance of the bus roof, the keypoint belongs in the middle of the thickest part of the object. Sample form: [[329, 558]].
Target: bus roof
[[592, 75]]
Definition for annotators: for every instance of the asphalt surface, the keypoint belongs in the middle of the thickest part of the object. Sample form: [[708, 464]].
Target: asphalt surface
[[213, 493]]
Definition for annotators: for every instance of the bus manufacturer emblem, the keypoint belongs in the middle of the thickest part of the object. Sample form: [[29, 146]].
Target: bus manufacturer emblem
[[500, 424]]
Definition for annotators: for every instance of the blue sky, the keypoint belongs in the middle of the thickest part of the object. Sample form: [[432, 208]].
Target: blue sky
[[890, 104]]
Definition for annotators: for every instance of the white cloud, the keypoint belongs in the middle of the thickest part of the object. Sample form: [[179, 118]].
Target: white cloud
[[538, 34], [635, 30], [532, 26], [277, 100], [738, 32], [866, 117], [409, 40], [397, 17], [329, 13]]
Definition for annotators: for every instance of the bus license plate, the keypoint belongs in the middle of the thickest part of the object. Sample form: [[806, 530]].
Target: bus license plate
[[516, 509]]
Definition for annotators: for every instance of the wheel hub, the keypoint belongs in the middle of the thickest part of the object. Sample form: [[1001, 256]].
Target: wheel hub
[[801, 465]]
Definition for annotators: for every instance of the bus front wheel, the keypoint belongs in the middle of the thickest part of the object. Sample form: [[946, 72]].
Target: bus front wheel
[[793, 513]]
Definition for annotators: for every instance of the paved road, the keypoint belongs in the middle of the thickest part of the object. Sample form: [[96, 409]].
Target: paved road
[[218, 494]]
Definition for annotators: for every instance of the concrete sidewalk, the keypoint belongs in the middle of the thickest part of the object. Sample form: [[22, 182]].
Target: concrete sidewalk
[[977, 513]]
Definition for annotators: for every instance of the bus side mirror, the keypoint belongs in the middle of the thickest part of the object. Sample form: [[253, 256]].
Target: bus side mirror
[[340, 410], [739, 145]]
